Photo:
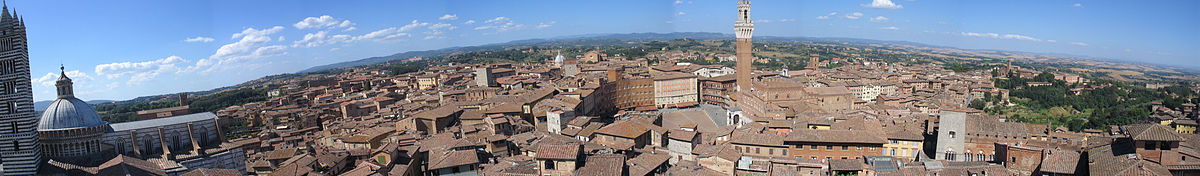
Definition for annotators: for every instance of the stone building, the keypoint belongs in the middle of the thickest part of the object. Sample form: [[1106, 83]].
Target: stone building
[[674, 89], [18, 121]]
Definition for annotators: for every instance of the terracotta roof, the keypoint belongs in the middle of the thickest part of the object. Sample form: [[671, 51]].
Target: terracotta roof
[[213, 172], [646, 162], [625, 128], [752, 138], [835, 136], [125, 165], [1152, 132], [1060, 161], [281, 154], [671, 75], [723, 151], [846, 164], [440, 112], [682, 135], [603, 165], [558, 152], [453, 158]]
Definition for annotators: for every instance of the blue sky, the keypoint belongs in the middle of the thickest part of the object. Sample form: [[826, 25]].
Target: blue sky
[[123, 49]]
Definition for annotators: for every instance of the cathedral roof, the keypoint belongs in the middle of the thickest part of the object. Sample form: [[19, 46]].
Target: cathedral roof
[[69, 113]]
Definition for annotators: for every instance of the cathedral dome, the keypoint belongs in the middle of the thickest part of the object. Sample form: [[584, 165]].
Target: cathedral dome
[[69, 113]]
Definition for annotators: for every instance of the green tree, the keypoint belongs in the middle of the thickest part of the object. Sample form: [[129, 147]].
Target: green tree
[[978, 104]]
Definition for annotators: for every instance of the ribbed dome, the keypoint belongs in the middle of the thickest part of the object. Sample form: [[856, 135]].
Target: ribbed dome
[[68, 113]]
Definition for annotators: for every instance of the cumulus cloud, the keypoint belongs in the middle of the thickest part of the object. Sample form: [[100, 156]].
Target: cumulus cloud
[[75, 75], [677, 2], [448, 17], [890, 28], [469, 22], [321, 38], [826, 17], [324, 21], [251, 46], [882, 4], [546, 24], [1002, 36], [854, 16], [879, 19], [196, 39], [139, 71]]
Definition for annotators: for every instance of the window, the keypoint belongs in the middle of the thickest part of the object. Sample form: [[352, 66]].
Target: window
[[771, 151], [1150, 145], [757, 150], [813, 147], [951, 134], [14, 126], [845, 148], [830, 147], [784, 152], [893, 152], [549, 165]]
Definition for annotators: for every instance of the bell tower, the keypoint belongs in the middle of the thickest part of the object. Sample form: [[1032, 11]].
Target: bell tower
[[744, 29]]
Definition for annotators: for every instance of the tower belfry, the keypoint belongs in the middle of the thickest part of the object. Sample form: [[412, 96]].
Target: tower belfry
[[20, 151], [744, 29]]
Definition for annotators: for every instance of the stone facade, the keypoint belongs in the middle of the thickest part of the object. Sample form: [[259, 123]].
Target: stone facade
[[19, 152]]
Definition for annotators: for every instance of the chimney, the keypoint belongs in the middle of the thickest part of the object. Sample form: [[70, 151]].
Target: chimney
[[183, 101]]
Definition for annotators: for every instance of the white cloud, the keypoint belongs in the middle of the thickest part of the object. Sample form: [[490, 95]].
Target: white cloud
[[498, 20], [680, 13], [854, 16], [1052, 41], [500, 24], [1079, 43], [251, 46], [1002, 36], [677, 2], [890, 28], [321, 38], [826, 16], [448, 17], [787, 20], [256, 32], [546, 25], [879, 19], [442, 26], [140, 71], [469, 22], [882, 4], [1077, 5], [388, 34], [75, 75], [196, 39], [762, 21], [324, 21]]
